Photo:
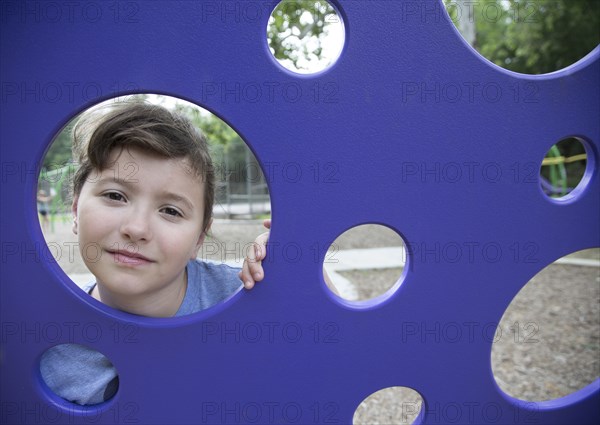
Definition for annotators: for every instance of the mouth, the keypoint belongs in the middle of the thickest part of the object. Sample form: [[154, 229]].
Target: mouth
[[129, 258]]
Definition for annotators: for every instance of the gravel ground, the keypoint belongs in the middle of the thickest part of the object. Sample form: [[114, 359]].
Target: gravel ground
[[558, 313], [549, 347]]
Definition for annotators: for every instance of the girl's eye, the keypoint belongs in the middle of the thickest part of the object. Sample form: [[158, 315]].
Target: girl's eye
[[114, 196], [172, 211]]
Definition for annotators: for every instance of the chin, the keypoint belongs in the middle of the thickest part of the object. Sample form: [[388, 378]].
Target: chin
[[124, 287]]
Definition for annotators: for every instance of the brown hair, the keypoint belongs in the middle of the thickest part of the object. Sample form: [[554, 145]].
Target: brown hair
[[151, 128]]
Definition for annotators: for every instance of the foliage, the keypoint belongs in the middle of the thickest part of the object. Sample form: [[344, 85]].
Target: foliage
[[228, 150], [534, 36], [59, 155], [297, 29]]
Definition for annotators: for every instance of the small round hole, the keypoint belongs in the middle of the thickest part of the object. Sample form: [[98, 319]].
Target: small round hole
[[547, 343], [563, 168], [305, 36], [365, 262], [530, 37], [393, 405], [79, 374]]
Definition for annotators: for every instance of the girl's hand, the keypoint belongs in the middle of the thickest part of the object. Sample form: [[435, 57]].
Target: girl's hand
[[252, 270]]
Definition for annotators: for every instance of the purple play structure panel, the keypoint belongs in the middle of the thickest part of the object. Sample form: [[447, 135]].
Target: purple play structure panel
[[406, 98]]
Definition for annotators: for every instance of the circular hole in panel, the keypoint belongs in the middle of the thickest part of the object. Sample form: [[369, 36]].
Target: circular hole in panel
[[159, 190], [365, 262], [547, 344], [530, 37], [564, 167], [393, 405], [79, 374], [305, 36]]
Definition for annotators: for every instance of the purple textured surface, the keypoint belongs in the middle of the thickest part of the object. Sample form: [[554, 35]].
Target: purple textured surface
[[386, 119]]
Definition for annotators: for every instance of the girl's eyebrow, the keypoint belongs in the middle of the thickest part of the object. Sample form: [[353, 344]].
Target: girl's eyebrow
[[175, 197], [118, 180]]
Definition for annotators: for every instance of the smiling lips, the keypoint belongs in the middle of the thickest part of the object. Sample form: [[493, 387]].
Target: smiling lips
[[129, 258]]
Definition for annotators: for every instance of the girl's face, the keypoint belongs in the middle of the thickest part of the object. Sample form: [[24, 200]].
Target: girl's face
[[139, 221]]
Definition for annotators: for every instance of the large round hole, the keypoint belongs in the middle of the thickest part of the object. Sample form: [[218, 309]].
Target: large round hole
[[79, 374], [365, 262], [393, 405], [547, 344], [530, 37], [241, 201], [305, 36], [563, 167]]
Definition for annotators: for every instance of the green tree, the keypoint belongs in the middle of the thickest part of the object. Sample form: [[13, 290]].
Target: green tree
[[234, 163], [297, 29], [59, 153], [534, 36]]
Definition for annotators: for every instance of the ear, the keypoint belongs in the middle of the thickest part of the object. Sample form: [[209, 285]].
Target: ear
[[74, 211], [201, 238]]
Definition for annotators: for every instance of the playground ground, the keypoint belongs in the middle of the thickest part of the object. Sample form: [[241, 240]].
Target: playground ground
[[550, 342]]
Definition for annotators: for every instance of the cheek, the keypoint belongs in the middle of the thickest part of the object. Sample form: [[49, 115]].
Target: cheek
[[94, 222], [181, 243]]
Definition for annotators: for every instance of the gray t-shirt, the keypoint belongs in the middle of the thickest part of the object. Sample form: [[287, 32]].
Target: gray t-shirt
[[85, 376]]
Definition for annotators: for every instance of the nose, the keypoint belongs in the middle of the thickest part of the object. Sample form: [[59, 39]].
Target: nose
[[135, 226]]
